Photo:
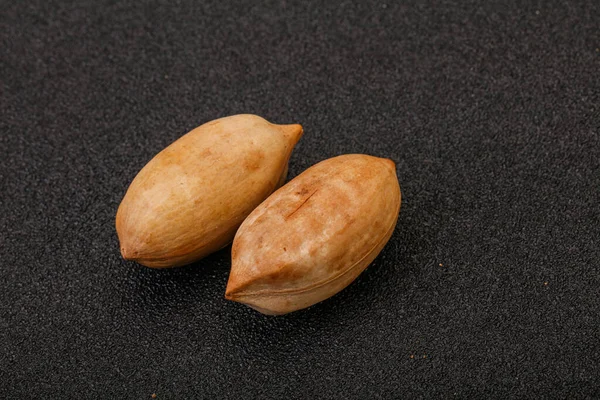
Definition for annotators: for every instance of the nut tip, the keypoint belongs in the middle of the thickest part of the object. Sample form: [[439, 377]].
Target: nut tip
[[230, 292], [230, 295], [294, 131], [126, 253], [234, 289]]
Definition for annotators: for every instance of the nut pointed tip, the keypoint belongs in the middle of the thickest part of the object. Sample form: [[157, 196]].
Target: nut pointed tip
[[230, 292], [125, 253], [294, 131], [389, 163], [235, 288], [129, 253]]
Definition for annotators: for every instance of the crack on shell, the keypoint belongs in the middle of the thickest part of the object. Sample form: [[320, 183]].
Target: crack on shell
[[301, 204]]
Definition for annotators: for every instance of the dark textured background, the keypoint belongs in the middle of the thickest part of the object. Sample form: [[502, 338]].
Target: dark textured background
[[489, 287]]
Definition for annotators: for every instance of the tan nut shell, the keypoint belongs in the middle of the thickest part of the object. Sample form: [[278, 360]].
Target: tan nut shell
[[315, 235], [189, 200]]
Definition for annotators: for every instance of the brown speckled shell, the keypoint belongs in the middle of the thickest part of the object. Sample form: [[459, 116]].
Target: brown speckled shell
[[315, 235], [189, 200]]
